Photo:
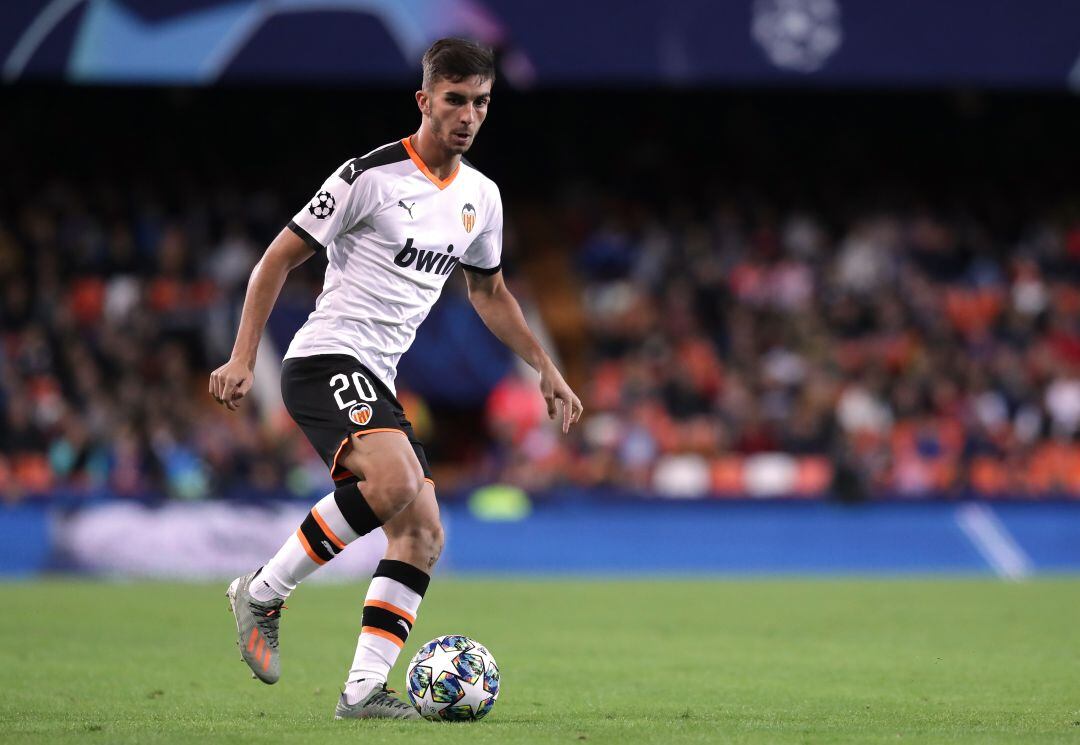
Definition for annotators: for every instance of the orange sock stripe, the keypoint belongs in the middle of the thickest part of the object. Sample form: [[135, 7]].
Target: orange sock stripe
[[338, 543], [307, 547], [393, 609], [384, 634]]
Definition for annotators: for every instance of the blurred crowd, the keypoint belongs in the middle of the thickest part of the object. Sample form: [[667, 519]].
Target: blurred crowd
[[900, 352], [726, 350], [114, 306]]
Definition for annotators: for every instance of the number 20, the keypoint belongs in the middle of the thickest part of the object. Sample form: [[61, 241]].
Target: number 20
[[362, 385]]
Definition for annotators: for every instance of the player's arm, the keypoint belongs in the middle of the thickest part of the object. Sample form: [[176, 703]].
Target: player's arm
[[501, 313], [231, 382]]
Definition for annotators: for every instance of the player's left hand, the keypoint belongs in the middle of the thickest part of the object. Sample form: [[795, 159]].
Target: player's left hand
[[555, 389]]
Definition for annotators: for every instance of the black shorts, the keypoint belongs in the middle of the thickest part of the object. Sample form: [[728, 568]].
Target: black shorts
[[331, 397]]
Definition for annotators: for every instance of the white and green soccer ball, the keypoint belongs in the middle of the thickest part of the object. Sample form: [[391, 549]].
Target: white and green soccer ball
[[453, 678]]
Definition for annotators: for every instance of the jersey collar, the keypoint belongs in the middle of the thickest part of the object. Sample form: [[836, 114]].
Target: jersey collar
[[422, 167]]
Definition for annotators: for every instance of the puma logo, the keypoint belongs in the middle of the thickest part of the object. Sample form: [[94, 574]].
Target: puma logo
[[404, 625], [406, 207], [352, 170]]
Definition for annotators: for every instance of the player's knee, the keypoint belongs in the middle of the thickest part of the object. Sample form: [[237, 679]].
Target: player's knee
[[396, 488], [434, 537], [424, 536], [429, 540]]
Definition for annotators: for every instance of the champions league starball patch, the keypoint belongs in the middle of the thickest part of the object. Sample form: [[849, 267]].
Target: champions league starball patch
[[322, 206]]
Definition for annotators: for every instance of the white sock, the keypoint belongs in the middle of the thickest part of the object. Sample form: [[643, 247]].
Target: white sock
[[335, 522], [358, 690], [288, 567], [325, 533], [262, 590], [390, 608]]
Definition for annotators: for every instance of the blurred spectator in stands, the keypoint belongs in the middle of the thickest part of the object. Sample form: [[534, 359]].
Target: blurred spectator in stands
[[890, 351]]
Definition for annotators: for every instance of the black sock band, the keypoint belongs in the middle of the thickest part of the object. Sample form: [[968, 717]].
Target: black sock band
[[408, 575], [355, 509], [317, 540], [381, 618]]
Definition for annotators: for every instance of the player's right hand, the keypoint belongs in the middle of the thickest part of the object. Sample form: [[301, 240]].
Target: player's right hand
[[230, 383]]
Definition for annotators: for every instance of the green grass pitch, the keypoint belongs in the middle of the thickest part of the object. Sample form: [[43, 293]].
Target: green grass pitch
[[621, 662]]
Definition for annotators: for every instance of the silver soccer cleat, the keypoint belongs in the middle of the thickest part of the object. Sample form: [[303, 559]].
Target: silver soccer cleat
[[379, 704], [257, 629]]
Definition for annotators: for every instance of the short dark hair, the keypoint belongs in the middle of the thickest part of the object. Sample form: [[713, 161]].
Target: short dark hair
[[457, 59]]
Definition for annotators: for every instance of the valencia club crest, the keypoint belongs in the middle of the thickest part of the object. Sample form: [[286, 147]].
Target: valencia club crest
[[468, 217]]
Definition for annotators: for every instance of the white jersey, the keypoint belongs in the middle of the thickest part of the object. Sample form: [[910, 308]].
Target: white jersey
[[393, 232]]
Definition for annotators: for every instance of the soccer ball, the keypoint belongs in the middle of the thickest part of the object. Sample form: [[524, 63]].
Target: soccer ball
[[453, 678], [322, 206]]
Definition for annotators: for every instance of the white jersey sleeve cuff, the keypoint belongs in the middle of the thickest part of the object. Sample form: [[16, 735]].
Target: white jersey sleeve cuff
[[482, 270], [307, 237]]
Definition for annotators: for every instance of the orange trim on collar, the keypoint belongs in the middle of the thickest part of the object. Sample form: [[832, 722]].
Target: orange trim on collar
[[422, 166]]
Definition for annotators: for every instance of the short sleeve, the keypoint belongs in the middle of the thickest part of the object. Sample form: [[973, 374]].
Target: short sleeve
[[344, 199], [484, 255]]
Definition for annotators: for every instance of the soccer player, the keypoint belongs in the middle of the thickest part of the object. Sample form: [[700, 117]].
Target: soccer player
[[394, 224]]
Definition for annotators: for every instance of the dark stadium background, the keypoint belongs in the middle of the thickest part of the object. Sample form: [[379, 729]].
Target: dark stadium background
[[657, 212]]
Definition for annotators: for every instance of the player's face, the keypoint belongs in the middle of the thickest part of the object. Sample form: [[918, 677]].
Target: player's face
[[455, 111]]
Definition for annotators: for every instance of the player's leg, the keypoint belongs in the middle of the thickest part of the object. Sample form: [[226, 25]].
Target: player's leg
[[414, 543], [393, 480]]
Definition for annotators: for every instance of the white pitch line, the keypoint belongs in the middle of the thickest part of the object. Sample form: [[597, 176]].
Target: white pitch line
[[992, 539]]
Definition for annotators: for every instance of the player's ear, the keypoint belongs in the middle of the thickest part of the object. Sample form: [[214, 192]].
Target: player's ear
[[423, 102]]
